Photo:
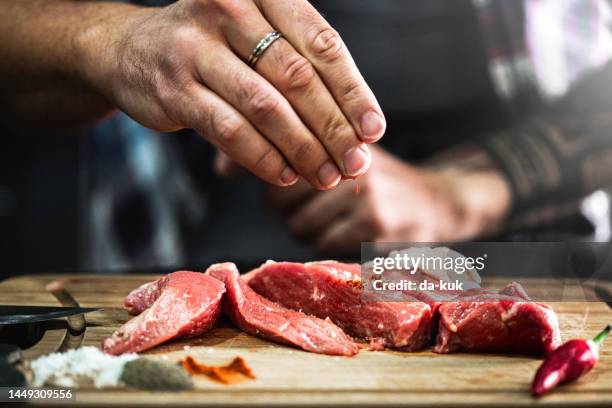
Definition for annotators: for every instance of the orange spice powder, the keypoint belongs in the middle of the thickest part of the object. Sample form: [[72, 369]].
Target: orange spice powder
[[233, 373]]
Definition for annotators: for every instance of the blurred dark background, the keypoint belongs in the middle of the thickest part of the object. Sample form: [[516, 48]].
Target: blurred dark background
[[119, 197]]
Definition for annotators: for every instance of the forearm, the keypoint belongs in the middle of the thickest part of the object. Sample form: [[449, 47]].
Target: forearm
[[46, 61], [562, 155], [539, 170], [526, 176]]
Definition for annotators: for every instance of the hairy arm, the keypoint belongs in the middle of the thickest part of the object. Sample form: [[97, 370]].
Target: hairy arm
[[44, 64]]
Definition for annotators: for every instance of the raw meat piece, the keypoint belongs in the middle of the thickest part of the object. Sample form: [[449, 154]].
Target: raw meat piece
[[479, 320], [433, 297], [181, 304], [138, 300], [504, 322], [334, 290], [263, 318]]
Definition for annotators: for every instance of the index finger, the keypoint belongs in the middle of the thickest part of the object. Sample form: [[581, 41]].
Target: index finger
[[316, 40]]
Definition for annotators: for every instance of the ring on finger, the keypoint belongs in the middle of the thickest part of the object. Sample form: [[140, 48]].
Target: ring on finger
[[262, 46]]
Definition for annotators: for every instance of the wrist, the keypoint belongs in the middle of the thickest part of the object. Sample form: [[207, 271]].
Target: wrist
[[97, 45]]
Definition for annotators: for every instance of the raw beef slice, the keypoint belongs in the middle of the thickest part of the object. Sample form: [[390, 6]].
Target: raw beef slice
[[504, 322], [263, 318], [333, 290], [181, 304]]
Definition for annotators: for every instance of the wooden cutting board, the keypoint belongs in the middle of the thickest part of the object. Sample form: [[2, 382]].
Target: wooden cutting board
[[287, 376]]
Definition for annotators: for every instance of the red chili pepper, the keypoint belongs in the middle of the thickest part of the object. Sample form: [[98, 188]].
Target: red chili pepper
[[567, 363]]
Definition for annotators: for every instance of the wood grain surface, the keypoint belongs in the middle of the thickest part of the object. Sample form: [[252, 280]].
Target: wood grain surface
[[290, 377]]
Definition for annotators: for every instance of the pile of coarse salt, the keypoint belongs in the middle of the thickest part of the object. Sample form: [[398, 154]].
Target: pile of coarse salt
[[64, 369]]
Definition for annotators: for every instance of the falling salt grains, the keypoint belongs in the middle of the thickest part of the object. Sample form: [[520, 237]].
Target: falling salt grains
[[357, 188]]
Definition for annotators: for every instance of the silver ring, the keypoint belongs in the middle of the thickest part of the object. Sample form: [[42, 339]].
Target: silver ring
[[262, 46]]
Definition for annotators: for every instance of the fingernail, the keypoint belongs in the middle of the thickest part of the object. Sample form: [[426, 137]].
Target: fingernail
[[329, 175], [289, 176], [357, 161], [372, 126]]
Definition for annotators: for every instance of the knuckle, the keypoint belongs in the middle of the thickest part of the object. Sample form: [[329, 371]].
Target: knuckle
[[185, 38], [267, 161], [325, 43], [305, 152], [175, 69], [298, 73], [334, 128], [228, 129], [261, 103], [352, 91]]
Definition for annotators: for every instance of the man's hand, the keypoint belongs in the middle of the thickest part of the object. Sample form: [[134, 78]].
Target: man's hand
[[395, 202], [303, 111]]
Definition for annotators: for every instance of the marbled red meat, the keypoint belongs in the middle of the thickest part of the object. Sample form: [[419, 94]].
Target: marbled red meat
[[263, 318], [181, 304], [504, 322], [334, 290], [480, 320], [279, 302]]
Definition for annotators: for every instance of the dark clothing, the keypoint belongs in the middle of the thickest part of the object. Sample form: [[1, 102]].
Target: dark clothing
[[426, 63], [418, 56], [445, 72]]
